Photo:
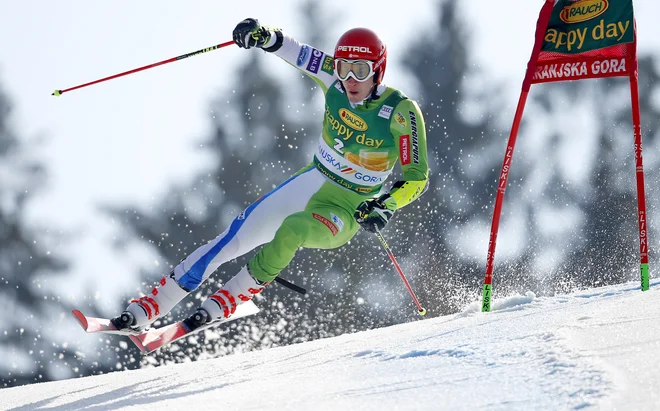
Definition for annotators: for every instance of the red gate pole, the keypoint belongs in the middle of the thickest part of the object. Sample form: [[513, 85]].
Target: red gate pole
[[541, 25], [501, 188], [639, 171]]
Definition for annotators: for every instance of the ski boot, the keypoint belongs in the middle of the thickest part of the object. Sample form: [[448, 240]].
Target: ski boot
[[143, 311], [198, 319], [239, 289], [126, 322]]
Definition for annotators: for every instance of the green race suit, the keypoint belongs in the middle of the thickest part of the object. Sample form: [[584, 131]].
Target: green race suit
[[357, 150]]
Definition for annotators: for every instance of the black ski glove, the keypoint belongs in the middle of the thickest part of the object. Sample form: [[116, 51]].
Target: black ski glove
[[374, 214], [249, 33]]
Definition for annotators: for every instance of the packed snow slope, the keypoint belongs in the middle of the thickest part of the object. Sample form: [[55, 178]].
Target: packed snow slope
[[592, 349]]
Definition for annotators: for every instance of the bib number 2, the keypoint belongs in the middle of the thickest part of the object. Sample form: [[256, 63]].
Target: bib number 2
[[339, 146]]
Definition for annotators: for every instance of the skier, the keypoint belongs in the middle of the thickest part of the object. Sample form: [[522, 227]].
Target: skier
[[367, 126]]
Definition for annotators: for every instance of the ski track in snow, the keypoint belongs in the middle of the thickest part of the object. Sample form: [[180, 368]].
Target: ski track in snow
[[594, 349]]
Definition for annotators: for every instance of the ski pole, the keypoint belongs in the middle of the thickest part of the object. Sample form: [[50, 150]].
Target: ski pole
[[420, 309], [171, 60]]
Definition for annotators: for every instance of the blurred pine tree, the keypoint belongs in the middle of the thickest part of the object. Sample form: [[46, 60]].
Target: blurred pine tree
[[32, 348]]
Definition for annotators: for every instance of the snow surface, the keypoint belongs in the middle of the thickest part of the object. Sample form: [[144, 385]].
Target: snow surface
[[592, 349]]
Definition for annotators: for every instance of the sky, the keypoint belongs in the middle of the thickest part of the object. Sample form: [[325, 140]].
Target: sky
[[129, 139], [594, 349]]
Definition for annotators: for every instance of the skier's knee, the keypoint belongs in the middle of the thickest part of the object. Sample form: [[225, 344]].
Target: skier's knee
[[279, 252], [292, 231]]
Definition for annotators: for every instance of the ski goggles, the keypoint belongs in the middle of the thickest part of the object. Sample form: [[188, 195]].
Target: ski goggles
[[360, 70]]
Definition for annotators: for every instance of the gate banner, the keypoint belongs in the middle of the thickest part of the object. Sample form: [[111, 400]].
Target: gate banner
[[587, 39]]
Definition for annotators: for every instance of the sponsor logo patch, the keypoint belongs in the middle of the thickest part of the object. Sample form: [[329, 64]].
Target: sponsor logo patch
[[404, 149], [302, 56], [338, 222], [352, 120], [314, 61], [414, 139], [328, 65], [385, 112], [357, 49], [400, 119], [341, 165], [328, 223]]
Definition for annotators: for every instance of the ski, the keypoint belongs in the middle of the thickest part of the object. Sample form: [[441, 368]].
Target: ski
[[156, 338], [98, 325]]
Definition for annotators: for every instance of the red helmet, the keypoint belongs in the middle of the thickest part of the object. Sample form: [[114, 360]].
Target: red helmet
[[363, 44]]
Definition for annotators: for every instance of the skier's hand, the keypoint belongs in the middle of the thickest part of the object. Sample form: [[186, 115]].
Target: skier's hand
[[374, 214], [249, 33]]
